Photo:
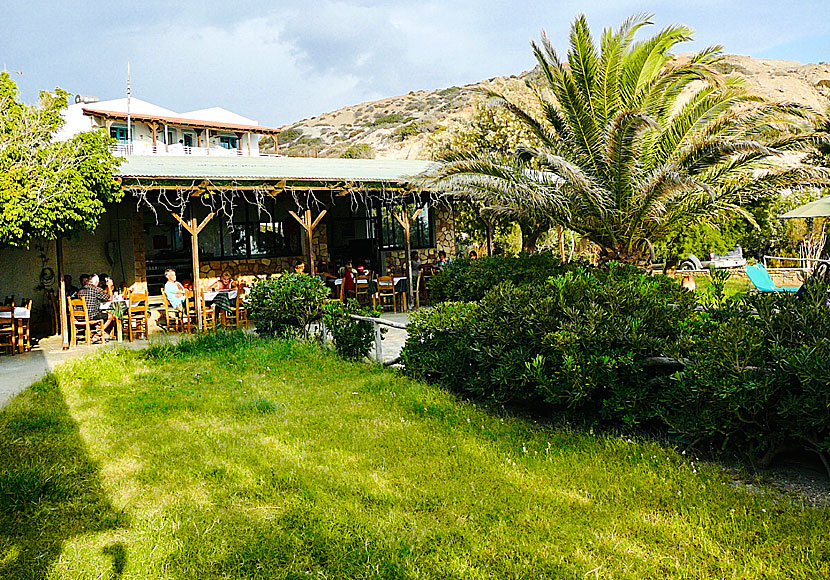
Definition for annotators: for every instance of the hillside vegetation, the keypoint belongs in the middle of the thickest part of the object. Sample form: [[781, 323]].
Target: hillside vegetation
[[399, 127]]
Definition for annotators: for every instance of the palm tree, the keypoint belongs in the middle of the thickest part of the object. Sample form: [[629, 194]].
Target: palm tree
[[634, 143]]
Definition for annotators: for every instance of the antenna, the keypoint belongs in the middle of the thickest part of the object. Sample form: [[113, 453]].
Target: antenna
[[129, 133], [17, 72]]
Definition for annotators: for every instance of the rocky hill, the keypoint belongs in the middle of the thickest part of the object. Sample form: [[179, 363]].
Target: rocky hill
[[398, 127]]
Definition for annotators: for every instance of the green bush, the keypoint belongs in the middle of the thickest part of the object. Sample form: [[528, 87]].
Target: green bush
[[286, 305], [758, 376], [465, 280], [352, 339], [577, 341]]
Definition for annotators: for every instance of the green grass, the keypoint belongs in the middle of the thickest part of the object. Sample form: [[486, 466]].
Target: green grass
[[233, 457]]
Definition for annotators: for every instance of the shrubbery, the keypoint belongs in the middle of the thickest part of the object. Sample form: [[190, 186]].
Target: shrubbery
[[285, 306], [750, 376], [352, 339], [463, 279]]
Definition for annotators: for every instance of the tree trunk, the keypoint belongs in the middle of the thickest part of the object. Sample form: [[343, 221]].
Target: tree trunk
[[530, 236]]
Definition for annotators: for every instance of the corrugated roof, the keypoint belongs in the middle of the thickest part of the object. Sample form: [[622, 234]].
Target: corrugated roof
[[266, 168]]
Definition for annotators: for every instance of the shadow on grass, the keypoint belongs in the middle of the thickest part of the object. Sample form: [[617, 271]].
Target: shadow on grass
[[50, 490]]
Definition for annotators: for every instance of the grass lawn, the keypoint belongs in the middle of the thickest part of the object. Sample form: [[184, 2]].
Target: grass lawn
[[235, 457]]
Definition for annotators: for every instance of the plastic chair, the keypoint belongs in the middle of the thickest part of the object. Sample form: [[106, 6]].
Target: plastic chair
[[762, 281]]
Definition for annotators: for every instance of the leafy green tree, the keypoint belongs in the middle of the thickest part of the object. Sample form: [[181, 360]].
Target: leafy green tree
[[636, 144], [49, 188]]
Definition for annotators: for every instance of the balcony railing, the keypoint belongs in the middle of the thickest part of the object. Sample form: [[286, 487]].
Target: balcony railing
[[139, 148]]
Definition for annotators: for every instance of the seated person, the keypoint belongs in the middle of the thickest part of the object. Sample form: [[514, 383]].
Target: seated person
[[415, 263], [94, 296], [173, 290], [323, 271], [224, 283], [71, 290], [106, 284], [473, 255], [299, 267], [442, 259], [348, 268]]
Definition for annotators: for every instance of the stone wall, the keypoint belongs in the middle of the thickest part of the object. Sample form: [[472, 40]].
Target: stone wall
[[320, 244], [245, 269], [444, 240]]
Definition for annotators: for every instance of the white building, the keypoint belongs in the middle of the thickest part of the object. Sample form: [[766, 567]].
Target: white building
[[148, 129]]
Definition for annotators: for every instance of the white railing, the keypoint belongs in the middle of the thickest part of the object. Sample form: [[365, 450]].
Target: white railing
[[139, 148]]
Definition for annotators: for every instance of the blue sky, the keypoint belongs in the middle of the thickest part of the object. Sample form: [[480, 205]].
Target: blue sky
[[282, 61]]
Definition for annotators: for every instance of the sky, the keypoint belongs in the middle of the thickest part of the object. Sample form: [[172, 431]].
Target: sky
[[281, 61]]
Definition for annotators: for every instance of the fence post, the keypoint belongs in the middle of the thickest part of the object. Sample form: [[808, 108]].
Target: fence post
[[378, 343]]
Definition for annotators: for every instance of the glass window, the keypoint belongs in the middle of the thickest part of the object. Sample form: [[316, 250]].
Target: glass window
[[420, 230], [119, 133], [256, 232], [229, 142]]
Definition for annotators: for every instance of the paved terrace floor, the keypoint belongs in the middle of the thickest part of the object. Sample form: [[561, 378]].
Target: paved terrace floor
[[19, 371]]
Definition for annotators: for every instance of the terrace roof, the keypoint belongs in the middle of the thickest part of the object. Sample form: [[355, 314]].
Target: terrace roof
[[272, 168], [179, 121]]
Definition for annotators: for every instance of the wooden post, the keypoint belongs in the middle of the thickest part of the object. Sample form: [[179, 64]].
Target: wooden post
[[404, 220], [194, 230], [63, 313], [154, 128], [309, 226], [207, 140], [166, 138]]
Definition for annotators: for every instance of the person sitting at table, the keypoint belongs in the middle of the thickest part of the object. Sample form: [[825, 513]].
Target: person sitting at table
[[323, 271], [299, 267], [348, 268], [106, 284], [71, 290], [94, 296], [442, 259], [83, 280], [415, 262], [473, 255], [173, 290], [224, 283]]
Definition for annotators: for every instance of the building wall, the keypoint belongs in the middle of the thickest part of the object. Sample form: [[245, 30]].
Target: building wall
[[84, 253]]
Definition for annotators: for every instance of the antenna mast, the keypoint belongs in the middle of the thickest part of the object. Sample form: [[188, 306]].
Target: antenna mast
[[129, 132]]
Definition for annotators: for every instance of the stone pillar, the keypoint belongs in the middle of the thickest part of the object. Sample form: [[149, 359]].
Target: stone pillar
[[320, 243], [444, 230]]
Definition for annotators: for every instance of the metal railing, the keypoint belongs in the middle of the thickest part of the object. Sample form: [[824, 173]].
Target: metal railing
[[177, 149]]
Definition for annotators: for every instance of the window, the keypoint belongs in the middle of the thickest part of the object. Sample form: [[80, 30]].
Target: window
[[257, 233], [119, 133], [229, 142], [420, 230]]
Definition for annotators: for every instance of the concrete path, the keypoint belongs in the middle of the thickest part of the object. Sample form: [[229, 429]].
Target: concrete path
[[20, 371]]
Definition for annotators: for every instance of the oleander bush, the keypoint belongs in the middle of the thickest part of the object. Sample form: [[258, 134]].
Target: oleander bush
[[352, 339], [578, 341], [465, 280], [747, 376], [286, 305]]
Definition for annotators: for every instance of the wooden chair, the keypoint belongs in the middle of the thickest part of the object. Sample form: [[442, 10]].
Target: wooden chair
[[208, 316], [419, 282], [25, 337], [79, 321], [53, 302], [386, 293], [9, 301], [137, 316], [173, 319], [239, 314], [8, 334], [361, 289]]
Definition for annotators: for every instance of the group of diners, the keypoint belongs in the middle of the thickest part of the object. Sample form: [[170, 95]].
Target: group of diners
[[96, 290]]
